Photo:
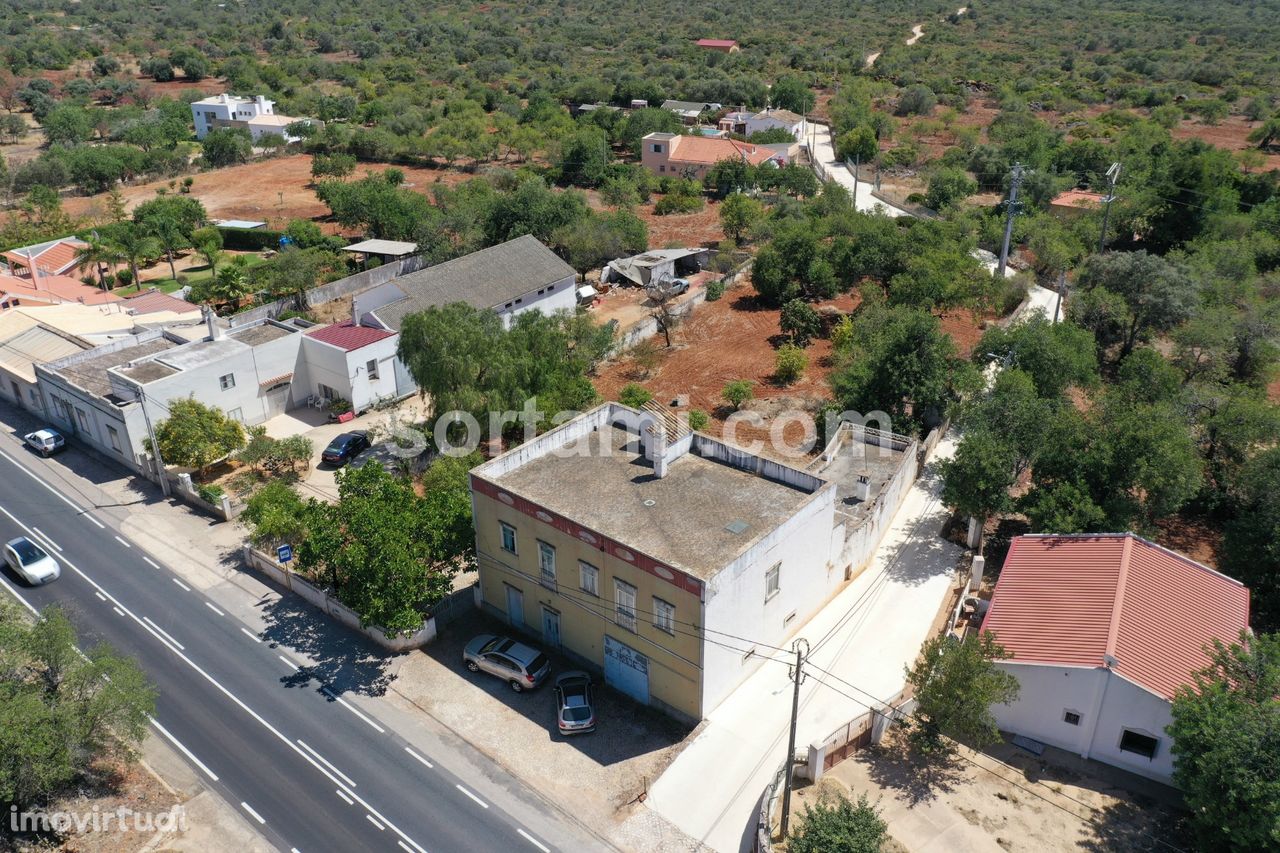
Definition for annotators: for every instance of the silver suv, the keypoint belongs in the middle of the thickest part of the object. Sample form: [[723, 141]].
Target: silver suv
[[523, 667]]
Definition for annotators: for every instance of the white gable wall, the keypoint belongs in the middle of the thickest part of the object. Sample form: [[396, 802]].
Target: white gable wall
[[1107, 704]]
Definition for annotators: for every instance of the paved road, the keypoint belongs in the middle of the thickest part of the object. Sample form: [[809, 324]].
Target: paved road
[[821, 150], [311, 769]]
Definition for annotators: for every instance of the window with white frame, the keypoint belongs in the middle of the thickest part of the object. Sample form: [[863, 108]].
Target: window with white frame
[[772, 581], [371, 368], [589, 578], [84, 420], [114, 438], [227, 381], [664, 615], [624, 599], [508, 537], [547, 564]]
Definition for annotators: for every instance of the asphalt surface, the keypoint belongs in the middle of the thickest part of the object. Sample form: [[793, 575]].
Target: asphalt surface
[[311, 769]]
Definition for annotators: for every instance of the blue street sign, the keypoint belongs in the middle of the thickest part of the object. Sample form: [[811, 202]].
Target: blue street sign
[[284, 553]]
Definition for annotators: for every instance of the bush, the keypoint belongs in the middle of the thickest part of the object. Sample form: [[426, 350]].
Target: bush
[[789, 364], [210, 492], [715, 290], [634, 395], [947, 187], [249, 239], [917, 100], [698, 419], [839, 826], [737, 393], [677, 203], [800, 321]]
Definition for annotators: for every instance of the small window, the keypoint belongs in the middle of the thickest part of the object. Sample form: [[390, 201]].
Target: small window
[[1139, 744], [772, 581], [508, 537], [521, 299], [327, 393], [236, 415], [664, 615], [84, 419], [547, 564], [114, 438], [227, 382], [624, 599], [1071, 718], [589, 578], [661, 168], [657, 148], [371, 368]]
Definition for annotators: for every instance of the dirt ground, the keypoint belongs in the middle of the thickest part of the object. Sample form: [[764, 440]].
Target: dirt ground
[[1230, 133], [1055, 802], [274, 191], [674, 230], [731, 338]]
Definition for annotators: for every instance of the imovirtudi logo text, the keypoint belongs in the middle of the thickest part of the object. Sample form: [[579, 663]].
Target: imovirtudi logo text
[[122, 819], [791, 433]]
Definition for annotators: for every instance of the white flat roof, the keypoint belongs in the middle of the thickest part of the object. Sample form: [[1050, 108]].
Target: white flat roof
[[239, 223], [382, 247]]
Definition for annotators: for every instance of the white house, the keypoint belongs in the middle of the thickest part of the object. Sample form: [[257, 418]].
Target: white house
[[98, 395], [744, 122], [1102, 630], [510, 278], [257, 115], [355, 363]]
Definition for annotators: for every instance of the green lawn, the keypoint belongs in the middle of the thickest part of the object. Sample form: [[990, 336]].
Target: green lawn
[[169, 285]]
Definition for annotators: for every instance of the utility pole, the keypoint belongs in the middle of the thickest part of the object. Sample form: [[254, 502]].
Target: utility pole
[[1062, 291], [801, 646], [1113, 174], [155, 445], [1008, 221]]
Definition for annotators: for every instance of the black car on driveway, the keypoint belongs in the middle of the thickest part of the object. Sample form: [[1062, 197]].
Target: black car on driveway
[[344, 448]]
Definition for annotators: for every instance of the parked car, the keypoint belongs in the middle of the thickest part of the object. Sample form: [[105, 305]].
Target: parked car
[[575, 712], [523, 667], [344, 448], [45, 441], [31, 561]]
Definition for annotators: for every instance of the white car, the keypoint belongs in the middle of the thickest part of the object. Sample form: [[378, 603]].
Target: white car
[[45, 441], [31, 561]]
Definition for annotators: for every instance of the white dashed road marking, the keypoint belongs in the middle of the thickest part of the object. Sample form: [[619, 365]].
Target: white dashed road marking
[[418, 757], [350, 801], [183, 749], [163, 633], [335, 697], [325, 761], [479, 801], [150, 562], [122, 542], [181, 584], [535, 842], [214, 609], [251, 635], [256, 816], [373, 821]]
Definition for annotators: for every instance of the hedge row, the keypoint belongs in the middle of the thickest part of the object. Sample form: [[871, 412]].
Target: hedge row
[[249, 239]]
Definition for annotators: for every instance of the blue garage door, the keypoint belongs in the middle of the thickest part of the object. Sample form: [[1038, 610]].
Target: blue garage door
[[626, 670]]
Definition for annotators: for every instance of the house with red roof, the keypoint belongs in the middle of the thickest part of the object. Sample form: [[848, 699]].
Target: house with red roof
[[721, 45], [1102, 630], [693, 156], [53, 257], [348, 361]]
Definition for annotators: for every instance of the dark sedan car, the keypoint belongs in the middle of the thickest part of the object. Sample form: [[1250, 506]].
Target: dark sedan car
[[344, 448]]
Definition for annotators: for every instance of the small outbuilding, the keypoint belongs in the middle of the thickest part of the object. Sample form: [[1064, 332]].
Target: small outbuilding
[[654, 265], [384, 251]]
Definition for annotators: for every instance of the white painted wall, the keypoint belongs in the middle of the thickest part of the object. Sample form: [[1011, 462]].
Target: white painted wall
[[560, 296], [348, 372], [1107, 704], [66, 403], [735, 597]]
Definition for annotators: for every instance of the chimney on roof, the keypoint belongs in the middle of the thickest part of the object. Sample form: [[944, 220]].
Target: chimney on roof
[[211, 323], [862, 488]]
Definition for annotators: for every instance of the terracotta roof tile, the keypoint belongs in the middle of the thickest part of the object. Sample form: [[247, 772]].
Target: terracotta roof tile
[[348, 336], [1074, 599], [711, 150], [153, 300]]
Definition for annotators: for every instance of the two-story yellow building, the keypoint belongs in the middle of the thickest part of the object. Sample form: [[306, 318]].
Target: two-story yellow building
[[653, 554]]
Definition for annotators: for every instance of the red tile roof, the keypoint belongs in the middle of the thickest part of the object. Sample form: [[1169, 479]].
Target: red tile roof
[[1072, 600], [53, 289], [55, 258], [1077, 198], [153, 300], [716, 43], [709, 150], [349, 336]]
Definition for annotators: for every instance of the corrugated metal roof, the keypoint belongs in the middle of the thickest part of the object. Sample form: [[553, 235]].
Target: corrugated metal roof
[[37, 345], [1076, 600], [394, 248]]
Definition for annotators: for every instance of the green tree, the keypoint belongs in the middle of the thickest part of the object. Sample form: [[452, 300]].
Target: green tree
[[789, 364], [98, 255], [1157, 293], [171, 220], [838, 825], [634, 395], [790, 92], [900, 362], [60, 711], [916, 100], [737, 393], [227, 146], [948, 187], [208, 242], [976, 481], [134, 245], [738, 214], [157, 68], [731, 175], [640, 123], [276, 515], [294, 271], [584, 157], [859, 144], [195, 435], [698, 419], [1226, 746], [377, 547], [332, 166], [800, 322], [68, 124], [193, 63], [955, 683], [1056, 356], [1251, 544]]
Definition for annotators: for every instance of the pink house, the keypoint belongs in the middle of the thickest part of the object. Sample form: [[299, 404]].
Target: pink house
[[693, 156], [721, 45]]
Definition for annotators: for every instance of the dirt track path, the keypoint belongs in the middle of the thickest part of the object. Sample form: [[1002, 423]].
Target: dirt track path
[[916, 32]]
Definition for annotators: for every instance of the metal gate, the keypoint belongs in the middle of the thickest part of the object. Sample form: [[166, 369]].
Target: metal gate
[[626, 669]]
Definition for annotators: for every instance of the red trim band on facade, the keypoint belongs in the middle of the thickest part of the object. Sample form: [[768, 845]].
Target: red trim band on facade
[[600, 542]]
